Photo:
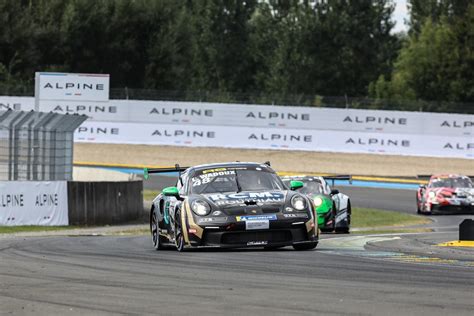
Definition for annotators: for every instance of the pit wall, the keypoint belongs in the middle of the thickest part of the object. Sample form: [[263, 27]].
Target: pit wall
[[200, 124]]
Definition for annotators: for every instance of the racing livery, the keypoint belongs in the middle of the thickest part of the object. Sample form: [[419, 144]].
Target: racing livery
[[332, 207], [232, 205], [446, 194]]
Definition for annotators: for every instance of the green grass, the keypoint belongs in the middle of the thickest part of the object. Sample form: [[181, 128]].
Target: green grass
[[21, 229], [149, 195], [391, 231], [366, 217]]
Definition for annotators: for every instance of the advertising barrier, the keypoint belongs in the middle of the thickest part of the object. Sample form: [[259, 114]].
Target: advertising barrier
[[33, 203], [230, 125], [72, 87], [275, 138], [282, 117]]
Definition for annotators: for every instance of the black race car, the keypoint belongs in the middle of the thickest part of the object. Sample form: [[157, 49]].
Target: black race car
[[230, 205]]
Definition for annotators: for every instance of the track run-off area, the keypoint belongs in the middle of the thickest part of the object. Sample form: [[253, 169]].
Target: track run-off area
[[386, 274]]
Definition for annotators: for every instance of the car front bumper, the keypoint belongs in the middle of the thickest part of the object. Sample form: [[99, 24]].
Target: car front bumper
[[452, 209], [235, 235]]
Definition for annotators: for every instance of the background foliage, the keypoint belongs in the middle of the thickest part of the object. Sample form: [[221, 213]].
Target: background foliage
[[287, 52]]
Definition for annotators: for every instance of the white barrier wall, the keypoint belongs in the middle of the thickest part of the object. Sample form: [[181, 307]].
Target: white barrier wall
[[274, 138], [336, 130], [33, 203]]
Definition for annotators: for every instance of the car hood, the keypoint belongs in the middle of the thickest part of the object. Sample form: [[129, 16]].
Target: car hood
[[466, 192]]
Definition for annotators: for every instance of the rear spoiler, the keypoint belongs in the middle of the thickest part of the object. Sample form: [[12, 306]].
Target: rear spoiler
[[338, 177], [148, 171]]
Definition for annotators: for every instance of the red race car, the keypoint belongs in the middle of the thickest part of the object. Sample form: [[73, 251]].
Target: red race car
[[446, 194]]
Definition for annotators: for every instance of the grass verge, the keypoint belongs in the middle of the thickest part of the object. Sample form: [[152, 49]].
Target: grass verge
[[149, 195], [22, 229], [367, 217]]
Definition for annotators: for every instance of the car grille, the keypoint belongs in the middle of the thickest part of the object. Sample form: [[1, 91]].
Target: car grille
[[250, 210], [244, 237]]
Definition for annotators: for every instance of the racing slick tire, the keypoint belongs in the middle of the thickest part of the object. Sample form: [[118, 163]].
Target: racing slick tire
[[156, 238], [307, 246], [342, 230], [178, 231], [418, 211]]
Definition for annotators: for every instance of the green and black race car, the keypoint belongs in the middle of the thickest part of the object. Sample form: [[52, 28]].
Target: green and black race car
[[229, 205], [333, 208]]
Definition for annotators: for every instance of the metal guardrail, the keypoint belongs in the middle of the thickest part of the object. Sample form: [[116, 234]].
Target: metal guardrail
[[37, 145]]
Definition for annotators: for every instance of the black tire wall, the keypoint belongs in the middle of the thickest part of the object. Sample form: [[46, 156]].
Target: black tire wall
[[104, 203]]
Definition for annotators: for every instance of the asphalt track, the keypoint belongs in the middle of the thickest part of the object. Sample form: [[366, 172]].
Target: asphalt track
[[363, 275]]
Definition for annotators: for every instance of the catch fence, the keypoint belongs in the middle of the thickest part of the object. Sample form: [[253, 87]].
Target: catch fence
[[37, 146]]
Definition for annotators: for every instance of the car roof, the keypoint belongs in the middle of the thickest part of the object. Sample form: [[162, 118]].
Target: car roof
[[302, 177], [447, 176]]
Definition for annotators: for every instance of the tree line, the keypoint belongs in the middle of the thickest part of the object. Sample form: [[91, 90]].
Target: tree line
[[292, 51]]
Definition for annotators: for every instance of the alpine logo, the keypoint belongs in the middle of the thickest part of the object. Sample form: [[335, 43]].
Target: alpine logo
[[378, 142], [457, 124], [183, 133], [383, 120], [182, 112], [278, 116], [77, 86], [281, 137], [459, 146]]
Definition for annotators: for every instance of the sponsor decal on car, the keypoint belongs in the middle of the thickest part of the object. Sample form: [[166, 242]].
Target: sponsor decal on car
[[256, 217], [212, 220], [296, 215], [256, 196], [211, 174], [257, 243]]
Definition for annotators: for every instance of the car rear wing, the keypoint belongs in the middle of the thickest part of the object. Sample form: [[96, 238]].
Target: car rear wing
[[176, 168], [338, 177]]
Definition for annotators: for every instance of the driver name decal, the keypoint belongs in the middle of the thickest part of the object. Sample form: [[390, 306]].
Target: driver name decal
[[239, 198]]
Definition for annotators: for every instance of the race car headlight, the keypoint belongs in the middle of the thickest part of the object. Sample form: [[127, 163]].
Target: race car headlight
[[298, 202], [432, 195], [318, 201], [200, 207]]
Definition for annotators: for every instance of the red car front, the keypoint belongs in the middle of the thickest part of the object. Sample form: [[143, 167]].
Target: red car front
[[446, 194]]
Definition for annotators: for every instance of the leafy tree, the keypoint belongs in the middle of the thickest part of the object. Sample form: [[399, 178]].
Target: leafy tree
[[18, 55], [171, 47], [221, 57], [435, 65], [448, 10]]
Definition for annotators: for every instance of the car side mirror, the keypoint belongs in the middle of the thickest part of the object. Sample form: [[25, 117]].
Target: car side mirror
[[295, 185], [334, 191], [171, 191], [422, 186]]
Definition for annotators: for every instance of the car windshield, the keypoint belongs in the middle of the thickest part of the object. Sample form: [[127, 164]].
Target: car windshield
[[310, 187], [219, 180], [451, 183]]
